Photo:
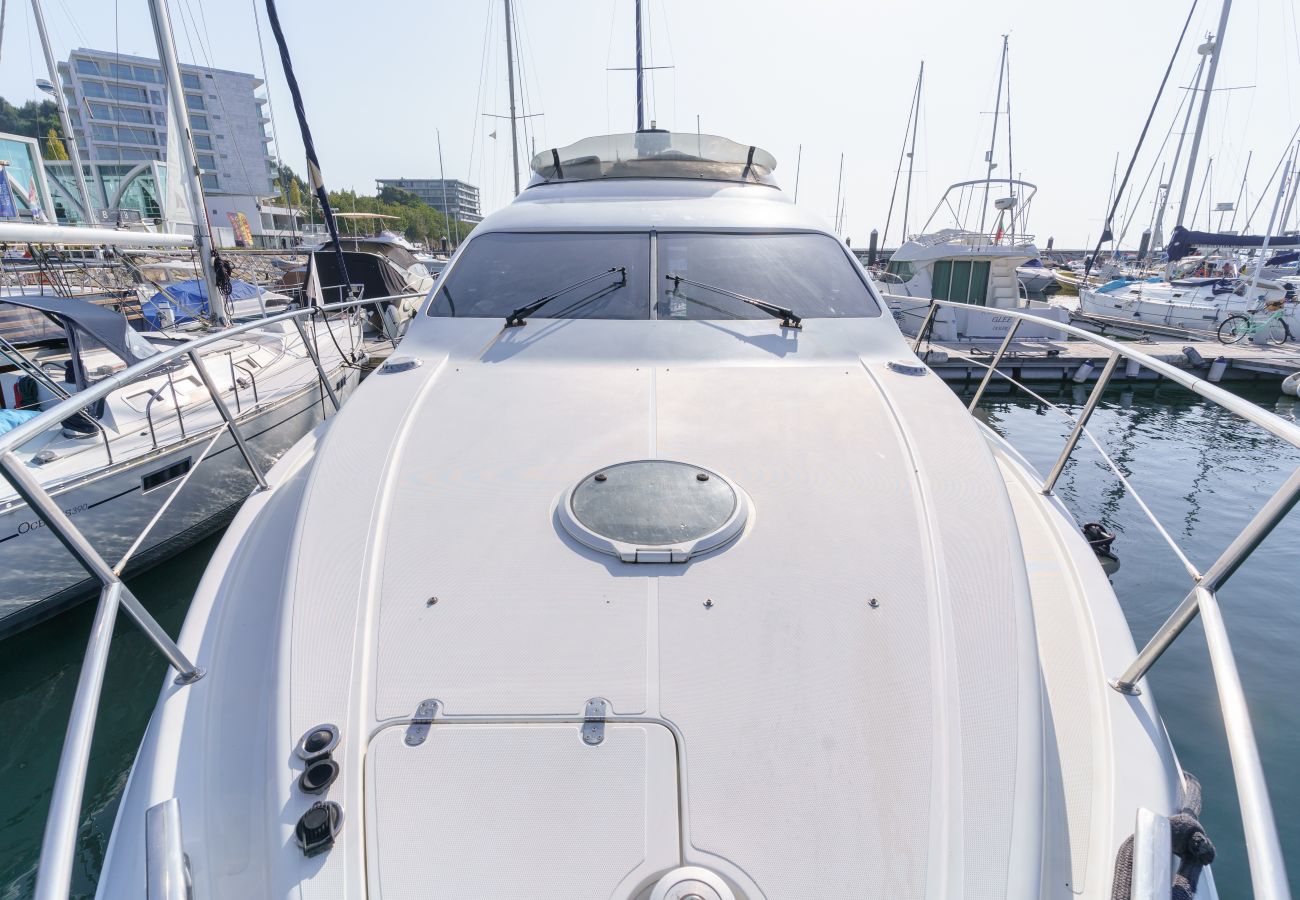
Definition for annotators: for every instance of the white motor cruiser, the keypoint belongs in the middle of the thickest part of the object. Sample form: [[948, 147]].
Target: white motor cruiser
[[655, 566], [970, 266]]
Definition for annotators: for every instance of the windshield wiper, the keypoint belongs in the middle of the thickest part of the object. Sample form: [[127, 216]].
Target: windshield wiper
[[518, 316], [785, 314]]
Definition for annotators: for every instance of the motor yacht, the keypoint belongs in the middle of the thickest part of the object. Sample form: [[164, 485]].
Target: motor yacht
[[654, 564], [971, 266]]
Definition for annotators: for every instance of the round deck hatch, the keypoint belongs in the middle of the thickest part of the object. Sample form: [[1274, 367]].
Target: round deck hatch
[[654, 510]]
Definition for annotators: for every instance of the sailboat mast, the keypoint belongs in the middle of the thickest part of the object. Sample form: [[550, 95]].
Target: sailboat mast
[[1157, 231], [187, 168], [74, 153], [993, 142], [1241, 194], [1282, 186], [798, 166], [510, 77], [1011, 167], [446, 209], [911, 154], [640, 74], [839, 184], [1216, 47]]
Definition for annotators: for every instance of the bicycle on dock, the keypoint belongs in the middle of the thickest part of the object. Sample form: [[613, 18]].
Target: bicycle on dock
[[1238, 327]]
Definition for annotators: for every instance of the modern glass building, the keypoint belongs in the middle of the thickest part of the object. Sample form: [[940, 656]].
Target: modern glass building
[[118, 106]]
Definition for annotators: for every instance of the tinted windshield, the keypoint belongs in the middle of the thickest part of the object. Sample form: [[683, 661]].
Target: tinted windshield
[[500, 272], [808, 273]]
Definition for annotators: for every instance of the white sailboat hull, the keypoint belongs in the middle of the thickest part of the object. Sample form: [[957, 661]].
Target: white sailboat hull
[[111, 506]]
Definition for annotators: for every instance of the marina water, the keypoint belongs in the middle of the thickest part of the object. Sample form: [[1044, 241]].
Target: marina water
[[1201, 470]]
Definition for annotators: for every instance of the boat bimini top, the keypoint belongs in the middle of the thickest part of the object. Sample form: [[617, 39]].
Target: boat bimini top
[[80, 318]]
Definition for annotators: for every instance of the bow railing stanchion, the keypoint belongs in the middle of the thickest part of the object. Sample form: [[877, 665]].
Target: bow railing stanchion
[[1267, 867], [1081, 422], [315, 358], [993, 366], [230, 419], [1250, 537], [59, 845], [926, 323], [57, 521], [1263, 848]]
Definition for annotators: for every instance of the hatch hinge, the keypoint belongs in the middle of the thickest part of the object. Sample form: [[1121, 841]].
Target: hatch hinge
[[593, 721], [418, 730]]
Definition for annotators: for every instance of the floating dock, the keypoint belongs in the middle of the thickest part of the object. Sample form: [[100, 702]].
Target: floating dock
[[1045, 359]]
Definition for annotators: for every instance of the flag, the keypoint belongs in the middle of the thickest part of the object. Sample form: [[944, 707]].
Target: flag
[[998, 237], [34, 199], [7, 210]]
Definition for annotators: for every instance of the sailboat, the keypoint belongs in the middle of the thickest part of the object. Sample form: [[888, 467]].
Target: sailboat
[[120, 463], [1201, 289]]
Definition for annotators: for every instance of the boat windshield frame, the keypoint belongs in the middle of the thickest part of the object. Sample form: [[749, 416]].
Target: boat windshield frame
[[651, 274]]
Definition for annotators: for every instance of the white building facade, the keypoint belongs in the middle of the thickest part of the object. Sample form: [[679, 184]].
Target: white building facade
[[119, 110]]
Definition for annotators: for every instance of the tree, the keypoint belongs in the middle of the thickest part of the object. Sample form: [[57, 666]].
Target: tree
[[54, 146], [295, 195]]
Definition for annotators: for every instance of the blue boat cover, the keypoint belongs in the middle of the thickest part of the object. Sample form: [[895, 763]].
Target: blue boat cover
[[12, 418], [1184, 243], [189, 300]]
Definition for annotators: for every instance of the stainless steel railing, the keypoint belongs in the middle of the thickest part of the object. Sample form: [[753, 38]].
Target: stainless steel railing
[[1267, 868], [58, 847]]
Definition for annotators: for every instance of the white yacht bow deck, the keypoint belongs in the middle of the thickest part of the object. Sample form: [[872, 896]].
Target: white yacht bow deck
[[605, 587]]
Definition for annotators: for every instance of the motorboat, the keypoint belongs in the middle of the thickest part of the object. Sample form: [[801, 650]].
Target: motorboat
[[970, 266], [115, 465], [654, 565], [1037, 278]]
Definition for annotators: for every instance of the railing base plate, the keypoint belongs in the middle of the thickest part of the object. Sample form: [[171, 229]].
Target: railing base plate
[[1131, 690]]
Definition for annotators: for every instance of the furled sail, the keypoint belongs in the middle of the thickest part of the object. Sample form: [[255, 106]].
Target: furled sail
[[178, 212]]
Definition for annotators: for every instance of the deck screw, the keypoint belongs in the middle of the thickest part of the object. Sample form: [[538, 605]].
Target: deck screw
[[431, 601], [701, 476], [601, 476], [708, 604], [873, 603]]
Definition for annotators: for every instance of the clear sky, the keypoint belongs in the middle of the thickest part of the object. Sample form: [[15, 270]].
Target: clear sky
[[834, 77]]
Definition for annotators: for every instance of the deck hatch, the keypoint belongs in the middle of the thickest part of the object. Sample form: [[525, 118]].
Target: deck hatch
[[654, 510]]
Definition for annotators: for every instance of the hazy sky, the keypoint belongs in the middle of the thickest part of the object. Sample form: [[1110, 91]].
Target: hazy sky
[[836, 77]]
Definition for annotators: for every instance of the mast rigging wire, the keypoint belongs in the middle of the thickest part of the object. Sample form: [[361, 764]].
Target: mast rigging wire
[[1105, 231], [315, 178]]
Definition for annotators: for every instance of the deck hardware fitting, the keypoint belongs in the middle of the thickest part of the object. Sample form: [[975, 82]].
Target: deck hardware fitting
[[708, 603], [593, 721], [317, 741], [191, 676], [873, 603], [1131, 690], [316, 830], [702, 476], [431, 601], [418, 730], [601, 476], [319, 775]]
